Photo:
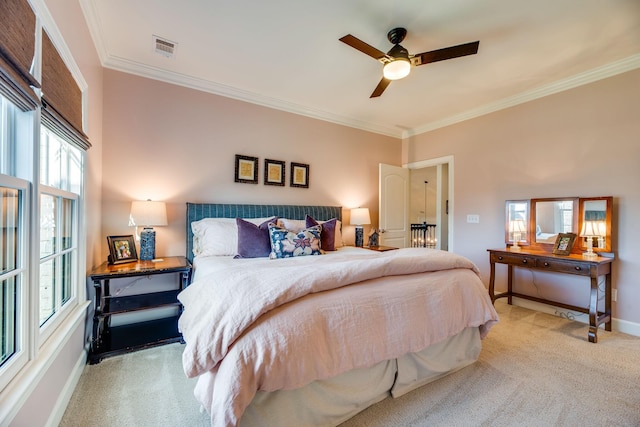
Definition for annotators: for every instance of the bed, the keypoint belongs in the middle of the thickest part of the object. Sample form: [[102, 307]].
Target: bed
[[312, 340]]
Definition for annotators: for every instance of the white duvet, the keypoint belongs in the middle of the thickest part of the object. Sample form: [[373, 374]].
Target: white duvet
[[261, 324]]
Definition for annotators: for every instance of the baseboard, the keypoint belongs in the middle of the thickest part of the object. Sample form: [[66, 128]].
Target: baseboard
[[67, 391], [623, 326]]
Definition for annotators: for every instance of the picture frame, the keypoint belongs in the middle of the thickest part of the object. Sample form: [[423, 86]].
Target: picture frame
[[246, 169], [122, 249], [564, 243], [299, 175], [274, 172]]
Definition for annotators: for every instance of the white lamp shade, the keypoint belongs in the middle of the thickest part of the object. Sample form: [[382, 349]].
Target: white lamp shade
[[360, 216], [148, 214], [517, 225], [593, 228]]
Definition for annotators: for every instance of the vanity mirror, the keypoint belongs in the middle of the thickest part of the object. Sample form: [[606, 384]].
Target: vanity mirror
[[550, 217], [595, 224]]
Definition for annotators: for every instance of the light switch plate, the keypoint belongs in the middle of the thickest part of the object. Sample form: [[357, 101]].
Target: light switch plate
[[473, 219]]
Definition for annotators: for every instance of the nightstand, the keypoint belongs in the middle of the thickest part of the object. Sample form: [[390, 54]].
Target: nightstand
[[380, 248], [108, 340]]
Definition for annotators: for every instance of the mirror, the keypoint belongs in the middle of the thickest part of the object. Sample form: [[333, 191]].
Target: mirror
[[552, 216], [595, 223], [517, 222]]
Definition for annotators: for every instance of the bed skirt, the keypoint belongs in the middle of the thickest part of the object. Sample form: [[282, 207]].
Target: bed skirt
[[335, 400]]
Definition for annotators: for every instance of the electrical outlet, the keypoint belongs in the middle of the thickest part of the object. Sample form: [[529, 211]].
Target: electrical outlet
[[474, 219], [614, 295]]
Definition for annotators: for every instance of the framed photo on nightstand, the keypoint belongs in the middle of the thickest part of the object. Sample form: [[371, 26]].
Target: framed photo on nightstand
[[564, 243], [122, 249]]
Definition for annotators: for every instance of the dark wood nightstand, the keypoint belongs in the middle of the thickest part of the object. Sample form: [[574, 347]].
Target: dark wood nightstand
[[108, 340], [380, 248]]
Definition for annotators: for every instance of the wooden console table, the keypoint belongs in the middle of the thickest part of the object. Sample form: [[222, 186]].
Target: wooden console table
[[570, 264]]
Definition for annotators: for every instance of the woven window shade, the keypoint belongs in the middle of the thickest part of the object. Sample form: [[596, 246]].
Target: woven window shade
[[61, 96], [17, 50]]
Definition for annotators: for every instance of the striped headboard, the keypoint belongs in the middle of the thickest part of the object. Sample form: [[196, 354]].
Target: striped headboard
[[198, 211]]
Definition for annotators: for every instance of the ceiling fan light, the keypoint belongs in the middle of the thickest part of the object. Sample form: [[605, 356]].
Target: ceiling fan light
[[396, 69]]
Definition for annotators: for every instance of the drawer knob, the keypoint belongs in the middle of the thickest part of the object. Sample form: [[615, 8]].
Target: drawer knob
[[546, 264], [578, 268], [500, 258], [524, 261]]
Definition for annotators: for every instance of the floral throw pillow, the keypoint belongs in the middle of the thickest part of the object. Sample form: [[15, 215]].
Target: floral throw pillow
[[286, 244]]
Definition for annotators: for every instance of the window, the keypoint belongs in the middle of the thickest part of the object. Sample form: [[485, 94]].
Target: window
[[60, 179], [9, 273], [14, 196], [42, 155]]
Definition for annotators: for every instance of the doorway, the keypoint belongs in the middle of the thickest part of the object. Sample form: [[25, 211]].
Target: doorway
[[417, 193], [431, 199]]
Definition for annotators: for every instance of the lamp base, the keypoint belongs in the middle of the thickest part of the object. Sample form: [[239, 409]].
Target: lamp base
[[147, 244], [515, 248], [589, 255], [359, 237]]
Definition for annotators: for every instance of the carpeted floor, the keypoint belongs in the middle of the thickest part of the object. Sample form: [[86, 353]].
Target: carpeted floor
[[534, 370]]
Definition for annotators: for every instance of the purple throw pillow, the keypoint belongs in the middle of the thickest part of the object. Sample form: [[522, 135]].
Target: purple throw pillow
[[328, 235], [253, 240]]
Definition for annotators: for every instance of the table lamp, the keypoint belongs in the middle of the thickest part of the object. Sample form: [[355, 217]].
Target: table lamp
[[148, 214], [516, 228], [589, 231], [360, 217]]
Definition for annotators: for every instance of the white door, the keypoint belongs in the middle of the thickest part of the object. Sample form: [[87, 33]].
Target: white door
[[394, 205]]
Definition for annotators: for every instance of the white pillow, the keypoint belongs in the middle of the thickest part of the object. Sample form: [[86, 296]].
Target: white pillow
[[294, 225], [218, 236]]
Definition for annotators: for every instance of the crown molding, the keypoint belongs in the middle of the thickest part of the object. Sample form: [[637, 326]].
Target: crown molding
[[95, 29], [608, 70]]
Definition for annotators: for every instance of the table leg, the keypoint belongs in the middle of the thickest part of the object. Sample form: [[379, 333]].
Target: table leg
[[510, 284], [607, 301], [492, 282], [593, 311]]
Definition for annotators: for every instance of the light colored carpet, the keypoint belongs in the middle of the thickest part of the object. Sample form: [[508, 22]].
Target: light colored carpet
[[534, 370]]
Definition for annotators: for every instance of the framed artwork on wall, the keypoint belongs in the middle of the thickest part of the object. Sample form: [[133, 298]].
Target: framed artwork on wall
[[122, 249], [274, 172], [246, 170], [299, 175]]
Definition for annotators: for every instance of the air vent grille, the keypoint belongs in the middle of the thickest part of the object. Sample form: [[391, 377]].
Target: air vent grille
[[164, 47]]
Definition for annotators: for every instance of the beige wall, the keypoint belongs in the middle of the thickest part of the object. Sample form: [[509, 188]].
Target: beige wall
[[582, 142], [170, 143]]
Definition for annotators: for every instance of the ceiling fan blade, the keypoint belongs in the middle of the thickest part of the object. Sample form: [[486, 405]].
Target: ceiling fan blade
[[380, 88], [363, 47], [448, 53]]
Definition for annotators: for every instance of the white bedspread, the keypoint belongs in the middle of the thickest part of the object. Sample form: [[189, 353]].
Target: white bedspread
[[244, 333]]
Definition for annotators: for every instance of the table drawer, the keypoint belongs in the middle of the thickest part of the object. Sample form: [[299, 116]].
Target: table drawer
[[580, 268], [514, 259]]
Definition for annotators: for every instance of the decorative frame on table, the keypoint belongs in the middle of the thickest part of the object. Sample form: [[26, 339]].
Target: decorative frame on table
[[274, 172], [299, 175], [122, 249], [246, 170], [564, 243]]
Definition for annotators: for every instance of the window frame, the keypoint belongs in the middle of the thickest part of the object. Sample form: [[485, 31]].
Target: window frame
[[52, 323], [20, 357]]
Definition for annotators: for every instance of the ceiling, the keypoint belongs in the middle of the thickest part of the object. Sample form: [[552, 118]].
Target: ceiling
[[285, 54]]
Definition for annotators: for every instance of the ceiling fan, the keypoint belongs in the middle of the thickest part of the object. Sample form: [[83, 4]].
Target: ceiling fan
[[397, 62]]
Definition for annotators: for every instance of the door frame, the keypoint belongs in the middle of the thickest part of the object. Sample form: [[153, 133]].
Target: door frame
[[438, 162]]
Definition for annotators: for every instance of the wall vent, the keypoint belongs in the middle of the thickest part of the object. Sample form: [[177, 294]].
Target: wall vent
[[164, 47]]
